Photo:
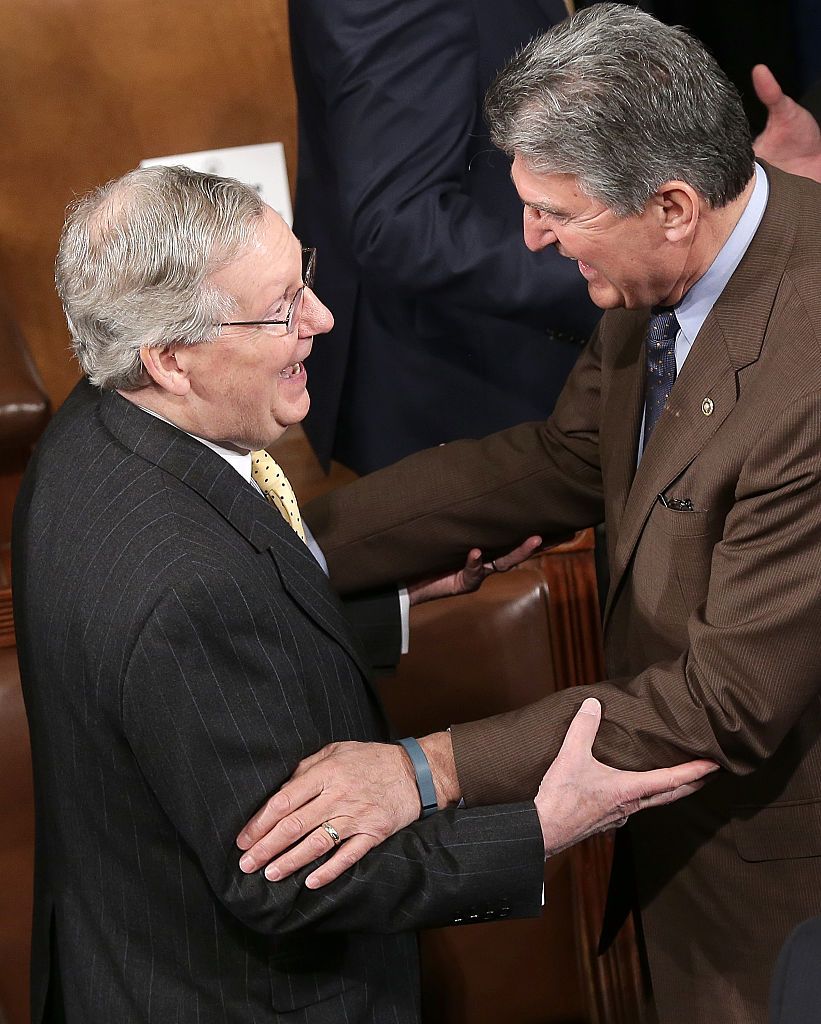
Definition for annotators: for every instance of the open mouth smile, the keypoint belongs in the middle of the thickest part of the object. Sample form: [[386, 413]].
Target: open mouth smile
[[292, 371]]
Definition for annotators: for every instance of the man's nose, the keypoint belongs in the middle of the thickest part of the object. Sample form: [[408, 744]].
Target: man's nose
[[316, 317], [538, 234]]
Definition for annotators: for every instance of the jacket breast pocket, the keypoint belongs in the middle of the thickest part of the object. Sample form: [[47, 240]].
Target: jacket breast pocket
[[699, 523], [673, 561], [780, 831]]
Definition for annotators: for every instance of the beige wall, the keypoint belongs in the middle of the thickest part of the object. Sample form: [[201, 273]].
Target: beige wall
[[90, 87]]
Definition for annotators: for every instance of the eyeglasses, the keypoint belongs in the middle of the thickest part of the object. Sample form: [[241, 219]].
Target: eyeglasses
[[291, 321]]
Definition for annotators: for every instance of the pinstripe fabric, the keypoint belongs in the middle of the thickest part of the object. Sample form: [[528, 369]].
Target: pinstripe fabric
[[180, 651], [712, 623]]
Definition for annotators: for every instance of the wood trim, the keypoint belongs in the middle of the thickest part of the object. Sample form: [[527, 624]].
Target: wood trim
[[6, 618], [613, 985]]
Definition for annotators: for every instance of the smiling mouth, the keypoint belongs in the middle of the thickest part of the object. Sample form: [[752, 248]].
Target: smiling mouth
[[292, 371]]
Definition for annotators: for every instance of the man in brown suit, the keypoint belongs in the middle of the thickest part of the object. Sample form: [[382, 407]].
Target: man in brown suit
[[692, 425]]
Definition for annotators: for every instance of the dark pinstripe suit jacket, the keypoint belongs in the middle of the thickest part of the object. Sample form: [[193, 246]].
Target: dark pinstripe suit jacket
[[180, 652], [712, 624]]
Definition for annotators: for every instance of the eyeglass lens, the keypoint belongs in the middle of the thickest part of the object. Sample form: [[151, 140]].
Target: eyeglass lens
[[308, 267]]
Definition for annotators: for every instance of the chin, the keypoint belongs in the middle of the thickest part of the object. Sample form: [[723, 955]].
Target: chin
[[607, 298]]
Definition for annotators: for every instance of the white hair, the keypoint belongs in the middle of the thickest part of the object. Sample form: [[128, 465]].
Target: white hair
[[134, 261]]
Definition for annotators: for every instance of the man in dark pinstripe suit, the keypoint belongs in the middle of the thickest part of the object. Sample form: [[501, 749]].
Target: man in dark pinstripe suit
[[181, 651]]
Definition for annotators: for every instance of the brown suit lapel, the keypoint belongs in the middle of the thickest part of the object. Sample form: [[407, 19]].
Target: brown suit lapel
[[622, 414], [680, 434], [730, 339]]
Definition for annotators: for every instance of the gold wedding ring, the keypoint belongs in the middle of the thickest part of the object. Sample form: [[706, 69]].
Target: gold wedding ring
[[332, 832]]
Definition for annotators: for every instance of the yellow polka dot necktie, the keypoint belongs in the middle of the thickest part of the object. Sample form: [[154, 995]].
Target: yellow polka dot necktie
[[274, 484]]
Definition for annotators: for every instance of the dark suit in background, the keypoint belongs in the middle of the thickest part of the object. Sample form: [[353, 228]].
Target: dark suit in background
[[786, 36], [446, 326], [180, 652], [796, 991]]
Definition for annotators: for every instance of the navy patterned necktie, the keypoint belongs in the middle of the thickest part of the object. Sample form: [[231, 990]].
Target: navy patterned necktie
[[660, 365]]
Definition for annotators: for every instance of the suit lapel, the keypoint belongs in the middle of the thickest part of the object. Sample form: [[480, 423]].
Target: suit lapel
[[680, 434], [249, 513], [730, 339], [622, 414]]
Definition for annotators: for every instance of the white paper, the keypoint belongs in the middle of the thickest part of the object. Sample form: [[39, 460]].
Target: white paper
[[262, 167]]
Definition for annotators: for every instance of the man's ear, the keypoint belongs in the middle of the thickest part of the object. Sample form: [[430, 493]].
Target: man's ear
[[679, 209], [163, 367]]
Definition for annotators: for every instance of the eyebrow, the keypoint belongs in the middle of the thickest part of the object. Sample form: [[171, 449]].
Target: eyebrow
[[283, 297], [547, 208]]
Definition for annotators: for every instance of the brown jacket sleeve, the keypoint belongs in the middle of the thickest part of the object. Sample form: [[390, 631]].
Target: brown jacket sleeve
[[423, 514]]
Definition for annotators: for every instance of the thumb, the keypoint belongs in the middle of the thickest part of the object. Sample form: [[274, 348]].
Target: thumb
[[582, 730], [766, 86]]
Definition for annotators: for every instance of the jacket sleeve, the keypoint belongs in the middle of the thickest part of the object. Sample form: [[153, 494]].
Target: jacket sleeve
[[749, 671], [398, 83], [218, 713], [376, 621], [423, 514]]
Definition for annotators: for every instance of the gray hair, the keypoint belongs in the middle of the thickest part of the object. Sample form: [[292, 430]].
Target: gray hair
[[134, 262], [623, 103]]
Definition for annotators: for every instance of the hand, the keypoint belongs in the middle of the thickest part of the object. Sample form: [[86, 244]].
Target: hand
[[791, 138], [580, 796], [471, 577], [367, 791]]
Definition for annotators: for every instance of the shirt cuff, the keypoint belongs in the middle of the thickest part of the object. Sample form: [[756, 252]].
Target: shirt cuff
[[404, 619]]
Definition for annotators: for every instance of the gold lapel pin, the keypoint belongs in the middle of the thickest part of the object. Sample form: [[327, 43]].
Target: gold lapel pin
[[707, 407]]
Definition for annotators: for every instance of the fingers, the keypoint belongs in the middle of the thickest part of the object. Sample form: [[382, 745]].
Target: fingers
[[766, 86], [518, 554], [294, 794], [671, 796], [662, 781], [285, 833], [344, 859], [312, 847]]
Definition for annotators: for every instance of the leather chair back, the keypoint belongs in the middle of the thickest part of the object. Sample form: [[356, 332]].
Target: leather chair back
[[16, 831], [24, 412], [526, 633]]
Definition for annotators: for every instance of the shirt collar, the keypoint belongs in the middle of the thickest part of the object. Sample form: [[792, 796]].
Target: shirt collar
[[694, 308], [241, 461]]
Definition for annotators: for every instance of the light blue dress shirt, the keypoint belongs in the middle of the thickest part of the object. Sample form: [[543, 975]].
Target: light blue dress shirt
[[694, 308]]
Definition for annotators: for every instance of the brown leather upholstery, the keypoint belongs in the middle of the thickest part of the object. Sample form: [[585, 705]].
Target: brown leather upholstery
[[23, 402], [16, 830], [469, 657], [524, 634], [24, 411]]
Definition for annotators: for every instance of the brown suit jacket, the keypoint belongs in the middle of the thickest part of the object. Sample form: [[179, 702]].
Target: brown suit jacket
[[713, 616]]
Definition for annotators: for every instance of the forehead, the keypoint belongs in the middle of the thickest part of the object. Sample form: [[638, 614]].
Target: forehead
[[554, 193], [271, 261], [276, 244]]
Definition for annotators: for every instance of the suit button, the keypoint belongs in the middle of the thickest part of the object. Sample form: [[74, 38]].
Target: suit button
[[707, 407]]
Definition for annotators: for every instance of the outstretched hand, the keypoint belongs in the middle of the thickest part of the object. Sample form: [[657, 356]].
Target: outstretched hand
[[791, 138], [366, 792], [579, 796], [471, 576]]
